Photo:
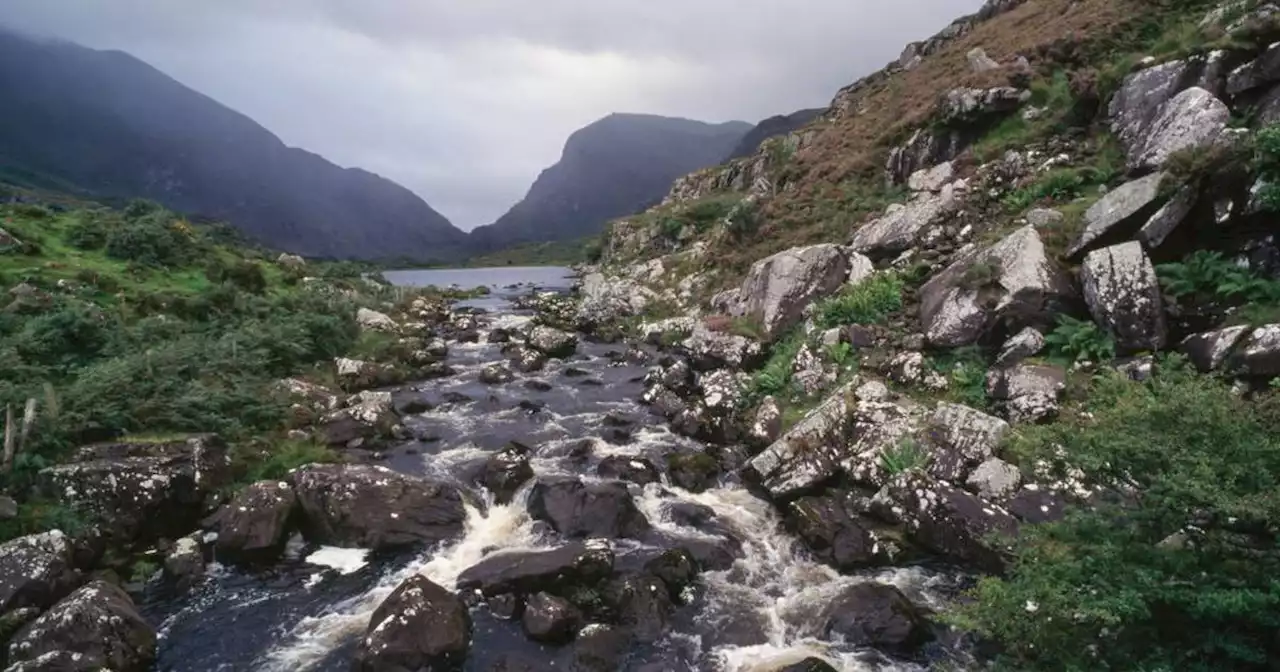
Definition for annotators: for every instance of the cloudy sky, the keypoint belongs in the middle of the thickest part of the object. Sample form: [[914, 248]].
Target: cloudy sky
[[465, 101]]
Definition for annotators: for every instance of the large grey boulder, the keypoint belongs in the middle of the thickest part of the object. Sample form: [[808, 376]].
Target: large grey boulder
[[374, 507], [716, 349], [932, 179], [1259, 354], [1027, 392], [778, 288], [1143, 94], [552, 342], [1193, 118], [577, 509], [875, 615], [1123, 294], [834, 533], [962, 438], [1262, 70], [375, 321], [904, 227], [1208, 351], [1012, 284], [607, 299], [420, 626], [952, 522], [965, 105], [523, 572], [1026, 343], [1166, 220], [1113, 213], [36, 571], [95, 628], [994, 480]]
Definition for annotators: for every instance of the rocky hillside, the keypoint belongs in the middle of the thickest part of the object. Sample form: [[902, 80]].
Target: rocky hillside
[[614, 167], [1026, 273], [108, 125], [781, 124]]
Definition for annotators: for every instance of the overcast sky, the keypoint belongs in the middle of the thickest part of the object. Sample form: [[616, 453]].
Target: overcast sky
[[465, 101]]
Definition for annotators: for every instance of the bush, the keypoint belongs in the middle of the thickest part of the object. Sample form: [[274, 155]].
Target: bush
[[150, 242], [1076, 340], [87, 232], [244, 274], [1177, 574], [867, 302]]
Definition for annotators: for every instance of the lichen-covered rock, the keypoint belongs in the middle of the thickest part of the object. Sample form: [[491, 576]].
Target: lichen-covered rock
[[1143, 96], [605, 300], [932, 179], [719, 350], [36, 571], [979, 61], [778, 288], [1259, 354], [505, 472], [1116, 211], [1012, 284], [254, 526], [952, 522], [94, 628], [809, 373], [577, 509], [1027, 392], [525, 572], [1123, 294], [1026, 343], [636, 470], [1261, 71], [1166, 220], [875, 615], [496, 374], [420, 626], [553, 342], [550, 619], [1191, 119], [375, 321], [994, 480], [374, 507], [768, 421], [147, 490], [967, 105], [904, 227], [1209, 351], [962, 438], [184, 563], [833, 532], [670, 330]]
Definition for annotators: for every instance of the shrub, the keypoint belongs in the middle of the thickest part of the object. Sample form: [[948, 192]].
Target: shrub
[[867, 302], [775, 376], [1208, 276], [979, 275], [87, 232], [150, 242], [1178, 574], [840, 354], [244, 274], [1076, 340]]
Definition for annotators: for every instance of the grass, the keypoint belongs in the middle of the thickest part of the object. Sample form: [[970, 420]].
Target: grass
[[774, 378], [906, 456], [554, 253], [966, 372], [867, 302], [277, 461]]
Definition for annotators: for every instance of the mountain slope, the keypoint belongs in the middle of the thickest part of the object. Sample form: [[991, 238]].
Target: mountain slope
[[613, 167], [110, 125], [771, 127]]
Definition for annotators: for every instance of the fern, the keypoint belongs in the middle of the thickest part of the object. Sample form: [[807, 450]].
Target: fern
[[1077, 340]]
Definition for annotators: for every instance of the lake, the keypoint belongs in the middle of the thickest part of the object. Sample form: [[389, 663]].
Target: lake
[[498, 278]]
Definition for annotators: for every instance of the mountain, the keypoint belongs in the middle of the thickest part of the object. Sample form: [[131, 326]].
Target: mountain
[[108, 125], [773, 126], [611, 168]]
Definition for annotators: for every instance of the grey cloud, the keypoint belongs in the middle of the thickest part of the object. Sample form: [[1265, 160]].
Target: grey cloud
[[464, 102]]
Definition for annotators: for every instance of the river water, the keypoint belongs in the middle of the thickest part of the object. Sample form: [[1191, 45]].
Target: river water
[[758, 613]]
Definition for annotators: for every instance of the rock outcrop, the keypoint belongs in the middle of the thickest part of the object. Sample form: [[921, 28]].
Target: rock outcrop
[[777, 289], [1123, 294], [1119, 210]]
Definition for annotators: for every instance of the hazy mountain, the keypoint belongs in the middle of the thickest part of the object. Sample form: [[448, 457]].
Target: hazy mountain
[[779, 125], [614, 167], [110, 125]]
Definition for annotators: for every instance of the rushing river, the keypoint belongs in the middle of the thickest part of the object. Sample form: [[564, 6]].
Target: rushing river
[[305, 614]]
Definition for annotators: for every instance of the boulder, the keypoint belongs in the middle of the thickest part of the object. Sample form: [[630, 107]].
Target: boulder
[[553, 342], [1143, 96], [605, 300], [979, 61], [709, 350], [1209, 351], [1166, 220], [809, 373], [905, 227], [1026, 343], [767, 424], [1034, 505], [375, 321], [778, 288], [148, 490], [810, 664], [1123, 294], [1009, 286], [994, 479], [420, 626], [932, 179], [577, 509], [368, 416], [677, 568], [1193, 118], [505, 471], [1259, 354], [1261, 71], [643, 604], [1027, 392], [526, 359], [665, 332], [95, 628], [1042, 218], [184, 563], [496, 374], [36, 571], [254, 526], [1116, 212], [953, 523], [600, 648], [833, 532], [637, 470], [374, 507], [290, 260], [793, 463], [525, 572], [550, 619], [875, 615], [962, 439], [695, 471]]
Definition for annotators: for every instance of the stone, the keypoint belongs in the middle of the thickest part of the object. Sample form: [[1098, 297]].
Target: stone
[[932, 179], [808, 372], [1141, 97], [954, 523], [553, 342], [254, 526], [994, 479], [1043, 218], [1262, 70], [1191, 119], [906, 368], [8, 508], [505, 472], [694, 471], [524, 572], [1208, 351], [1166, 220], [963, 438], [709, 350], [969, 105], [904, 227], [527, 360], [1027, 392], [148, 490], [875, 615], [677, 568], [833, 532], [778, 288], [636, 470], [496, 374], [1259, 354], [420, 626], [1117, 210], [600, 648], [373, 507], [1035, 506], [290, 260], [1123, 294], [606, 300], [36, 571], [95, 628], [577, 509], [979, 61], [788, 466], [643, 605], [1011, 285], [184, 563], [665, 332], [767, 424], [810, 664], [550, 619], [375, 321], [1026, 343]]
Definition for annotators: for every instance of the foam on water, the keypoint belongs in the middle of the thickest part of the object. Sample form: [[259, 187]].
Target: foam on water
[[345, 560]]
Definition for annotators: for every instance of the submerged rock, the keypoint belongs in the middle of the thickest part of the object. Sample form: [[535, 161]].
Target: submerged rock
[[95, 628], [505, 472], [420, 626], [550, 619]]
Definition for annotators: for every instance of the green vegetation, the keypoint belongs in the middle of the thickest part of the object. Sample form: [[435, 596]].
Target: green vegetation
[[1178, 575], [867, 302], [1205, 277], [966, 372], [907, 455], [556, 253], [278, 460], [1076, 340], [1267, 163], [775, 376], [841, 354]]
